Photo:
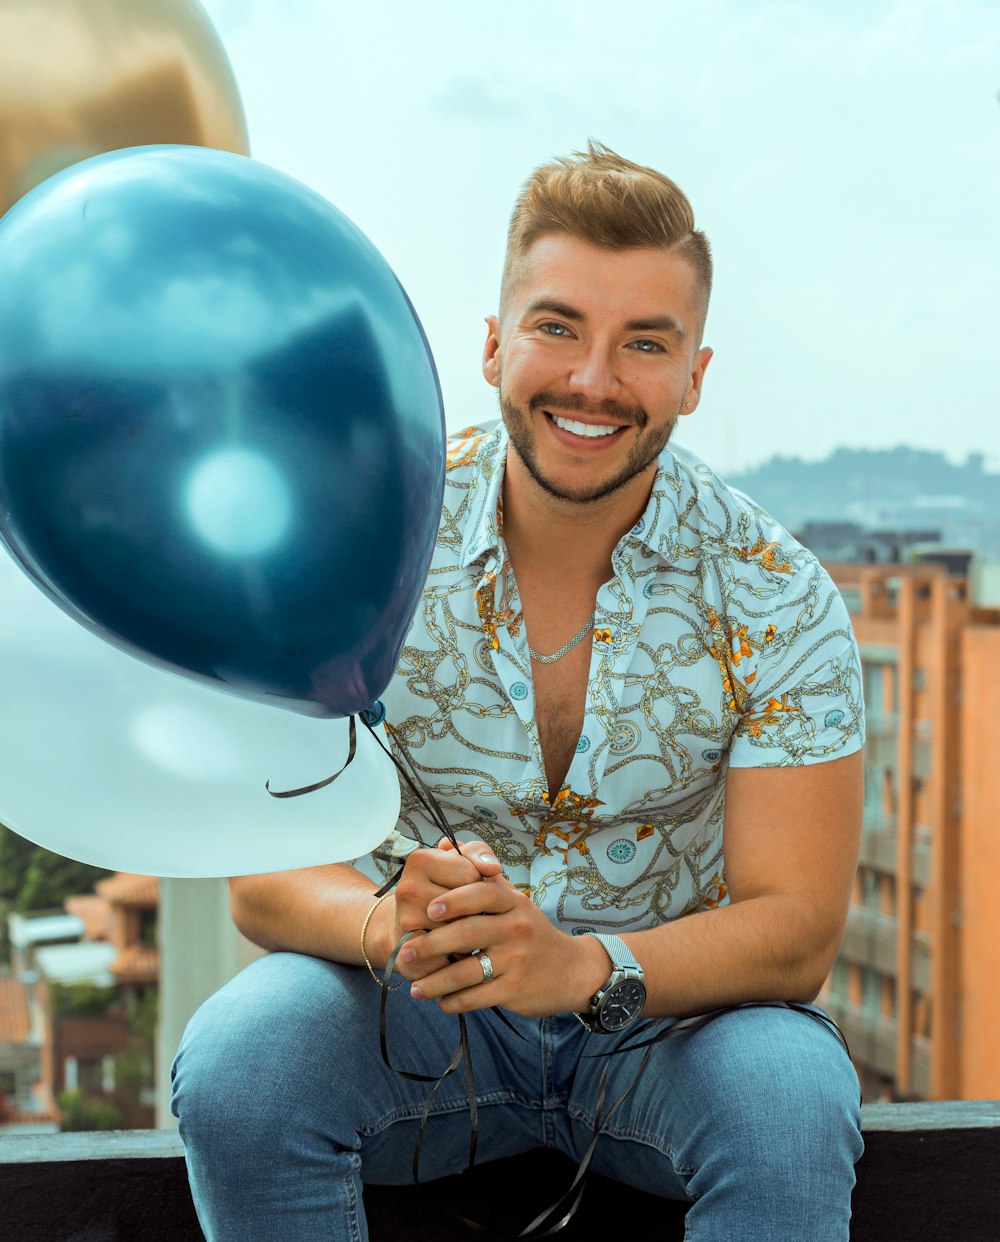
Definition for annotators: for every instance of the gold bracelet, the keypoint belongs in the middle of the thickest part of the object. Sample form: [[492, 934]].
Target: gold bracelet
[[364, 929]]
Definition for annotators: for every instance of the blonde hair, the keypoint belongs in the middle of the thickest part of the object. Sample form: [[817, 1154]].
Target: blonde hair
[[603, 198]]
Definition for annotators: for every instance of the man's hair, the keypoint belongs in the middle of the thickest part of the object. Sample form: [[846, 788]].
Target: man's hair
[[600, 197]]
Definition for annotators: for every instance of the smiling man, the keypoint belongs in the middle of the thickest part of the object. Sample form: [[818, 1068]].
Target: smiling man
[[632, 374], [637, 701]]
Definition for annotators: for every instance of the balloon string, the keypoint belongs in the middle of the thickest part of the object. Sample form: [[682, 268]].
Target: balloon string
[[433, 808], [684, 1026], [306, 789], [461, 1055], [413, 778], [569, 1201]]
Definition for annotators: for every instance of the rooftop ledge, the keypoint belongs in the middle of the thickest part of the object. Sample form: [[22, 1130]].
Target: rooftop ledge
[[930, 1170]]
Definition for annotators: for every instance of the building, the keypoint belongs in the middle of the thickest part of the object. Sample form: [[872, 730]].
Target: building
[[123, 911], [87, 979], [851, 542], [26, 1102], [914, 986]]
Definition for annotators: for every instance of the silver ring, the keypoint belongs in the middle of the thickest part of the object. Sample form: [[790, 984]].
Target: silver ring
[[486, 964]]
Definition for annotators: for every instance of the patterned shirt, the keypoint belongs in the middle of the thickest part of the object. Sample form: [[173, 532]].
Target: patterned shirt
[[719, 642]]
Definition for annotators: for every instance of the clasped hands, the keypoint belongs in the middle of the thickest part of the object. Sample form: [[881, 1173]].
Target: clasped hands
[[459, 903]]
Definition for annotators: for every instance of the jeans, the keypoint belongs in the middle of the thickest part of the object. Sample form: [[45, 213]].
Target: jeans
[[284, 1106]]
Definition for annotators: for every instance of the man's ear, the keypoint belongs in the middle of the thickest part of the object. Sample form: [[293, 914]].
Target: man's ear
[[491, 351], [693, 394]]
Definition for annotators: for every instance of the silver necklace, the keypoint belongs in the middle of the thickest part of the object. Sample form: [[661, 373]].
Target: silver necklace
[[558, 655]]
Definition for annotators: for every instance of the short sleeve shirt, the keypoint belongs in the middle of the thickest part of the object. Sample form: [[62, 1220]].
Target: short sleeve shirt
[[718, 642]]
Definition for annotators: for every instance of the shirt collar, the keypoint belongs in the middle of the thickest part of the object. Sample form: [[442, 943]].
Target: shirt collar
[[656, 531], [484, 530]]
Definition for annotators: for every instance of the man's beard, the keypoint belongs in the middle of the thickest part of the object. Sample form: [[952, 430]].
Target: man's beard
[[646, 448]]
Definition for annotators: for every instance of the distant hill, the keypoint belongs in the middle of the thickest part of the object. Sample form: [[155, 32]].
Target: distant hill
[[861, 482]]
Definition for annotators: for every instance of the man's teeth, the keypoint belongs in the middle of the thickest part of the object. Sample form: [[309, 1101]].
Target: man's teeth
[[582, 429]]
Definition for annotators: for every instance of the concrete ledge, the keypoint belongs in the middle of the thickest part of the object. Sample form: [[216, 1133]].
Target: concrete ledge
[[929, 1171]]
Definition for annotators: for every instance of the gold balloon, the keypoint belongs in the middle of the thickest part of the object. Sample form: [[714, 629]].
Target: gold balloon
[[78, 77]]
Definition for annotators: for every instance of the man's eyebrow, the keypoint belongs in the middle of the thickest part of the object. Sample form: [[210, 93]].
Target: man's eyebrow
[[658, 323], [552, 307]]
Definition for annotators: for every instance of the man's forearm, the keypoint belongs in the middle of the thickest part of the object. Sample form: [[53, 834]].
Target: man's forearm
[[318, 911], [764, 948], [321, 911]]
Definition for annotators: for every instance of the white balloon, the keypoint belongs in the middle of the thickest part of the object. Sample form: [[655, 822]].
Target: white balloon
[[110, 761]]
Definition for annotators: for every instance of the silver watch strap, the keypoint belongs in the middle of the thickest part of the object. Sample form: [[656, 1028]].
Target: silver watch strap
[[622, 957]]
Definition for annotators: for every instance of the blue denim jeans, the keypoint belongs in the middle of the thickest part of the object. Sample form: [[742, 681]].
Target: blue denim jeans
[[285, 1106]]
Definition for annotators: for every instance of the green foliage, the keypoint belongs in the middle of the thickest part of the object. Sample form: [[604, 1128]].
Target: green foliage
[[145, 1011], [149, 927], [84, 1112], [134, 1069], [82, 1000], [32, 878]]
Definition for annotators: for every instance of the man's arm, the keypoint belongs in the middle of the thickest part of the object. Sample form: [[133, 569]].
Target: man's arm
[[791, 841], [320, 910], [315, 910]]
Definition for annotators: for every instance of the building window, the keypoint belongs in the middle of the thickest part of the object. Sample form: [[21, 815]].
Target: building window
[[921, 1015], [852, 598], [889, 793], [871, 992], [888, 999], [870, 889], [874, 685], [889, 896]]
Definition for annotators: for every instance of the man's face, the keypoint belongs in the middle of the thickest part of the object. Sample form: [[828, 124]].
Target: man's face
[[595, 357]]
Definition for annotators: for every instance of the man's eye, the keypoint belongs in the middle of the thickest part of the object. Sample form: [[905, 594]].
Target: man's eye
[[648, 347], [555, 329]]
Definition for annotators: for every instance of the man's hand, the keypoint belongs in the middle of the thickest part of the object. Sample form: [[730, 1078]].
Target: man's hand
[[428, 875], [538, 970]]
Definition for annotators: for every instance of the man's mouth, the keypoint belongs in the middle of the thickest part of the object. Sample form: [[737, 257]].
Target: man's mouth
[[586, 431]]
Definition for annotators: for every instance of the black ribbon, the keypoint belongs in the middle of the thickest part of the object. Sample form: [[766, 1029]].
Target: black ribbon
[[352, 750], [542, 1226], [461, 1055]]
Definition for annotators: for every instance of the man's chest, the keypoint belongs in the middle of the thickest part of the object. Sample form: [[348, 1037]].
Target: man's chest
[[560, 694], [644, 685], [603, 765]]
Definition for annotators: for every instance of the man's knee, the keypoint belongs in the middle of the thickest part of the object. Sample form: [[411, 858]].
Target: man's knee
[[781, 1086], [257, 1047]]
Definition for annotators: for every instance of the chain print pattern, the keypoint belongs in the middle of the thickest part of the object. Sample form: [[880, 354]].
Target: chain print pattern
[[718, 642]]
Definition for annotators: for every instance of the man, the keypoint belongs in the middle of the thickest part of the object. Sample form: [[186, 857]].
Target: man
[[637, 701]]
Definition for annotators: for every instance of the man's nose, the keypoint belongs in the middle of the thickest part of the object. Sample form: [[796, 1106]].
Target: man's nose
[[595, 375]]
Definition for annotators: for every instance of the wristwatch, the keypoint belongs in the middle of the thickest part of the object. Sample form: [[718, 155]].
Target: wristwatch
[[619, 1003]]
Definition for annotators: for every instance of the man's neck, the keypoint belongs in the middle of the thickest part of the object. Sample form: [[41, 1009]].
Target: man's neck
[[564, 539]]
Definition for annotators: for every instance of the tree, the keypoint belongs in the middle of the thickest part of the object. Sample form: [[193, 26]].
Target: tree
[[84, 1112], [33, 878]]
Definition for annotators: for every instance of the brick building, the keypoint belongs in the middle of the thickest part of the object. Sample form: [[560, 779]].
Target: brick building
[[915, 986], [26, 1102], [77, 1012]]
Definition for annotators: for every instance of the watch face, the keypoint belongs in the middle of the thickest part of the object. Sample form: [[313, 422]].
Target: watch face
[[621, 1005]]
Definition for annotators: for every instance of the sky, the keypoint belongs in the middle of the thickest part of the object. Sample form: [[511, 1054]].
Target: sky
[[844, 159]]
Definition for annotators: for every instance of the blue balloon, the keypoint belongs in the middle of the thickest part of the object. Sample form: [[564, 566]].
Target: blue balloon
[[221, 433]]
